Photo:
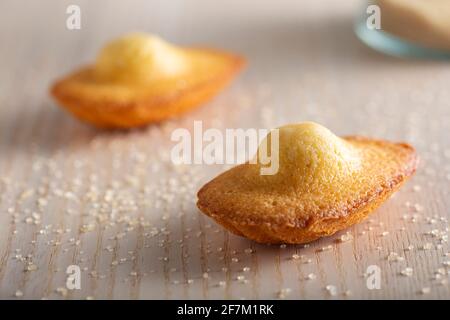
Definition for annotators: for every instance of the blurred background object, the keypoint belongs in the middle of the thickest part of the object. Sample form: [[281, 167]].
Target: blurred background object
[[414, 28]]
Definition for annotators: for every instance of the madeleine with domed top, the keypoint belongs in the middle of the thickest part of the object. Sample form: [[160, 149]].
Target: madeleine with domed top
[[140, 79], [324, 184]]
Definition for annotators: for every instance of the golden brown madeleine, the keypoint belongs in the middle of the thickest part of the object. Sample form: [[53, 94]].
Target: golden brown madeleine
[[140, 79], [324, 184]]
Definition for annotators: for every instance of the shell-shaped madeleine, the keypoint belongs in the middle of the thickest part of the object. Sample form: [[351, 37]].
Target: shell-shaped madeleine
[[141, 79], [324, 184]]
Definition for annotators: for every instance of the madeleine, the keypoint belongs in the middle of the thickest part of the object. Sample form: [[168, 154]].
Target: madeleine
[[141, 79], [324, 184]]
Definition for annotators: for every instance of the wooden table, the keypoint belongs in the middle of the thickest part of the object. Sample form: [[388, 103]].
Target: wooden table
[[113, 204]]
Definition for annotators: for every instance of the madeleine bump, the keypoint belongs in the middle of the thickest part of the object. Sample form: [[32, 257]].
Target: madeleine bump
[[139, 58], [324, 184], [140, 79]]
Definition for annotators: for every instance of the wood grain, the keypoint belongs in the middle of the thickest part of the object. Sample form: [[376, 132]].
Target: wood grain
[[114, 204]]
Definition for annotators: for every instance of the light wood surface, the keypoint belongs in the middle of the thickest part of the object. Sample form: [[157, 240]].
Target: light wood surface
[[113, 204]]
